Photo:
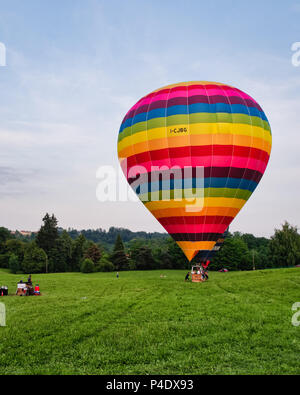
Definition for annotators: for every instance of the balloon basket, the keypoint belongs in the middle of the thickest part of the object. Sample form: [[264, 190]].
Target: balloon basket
[[197, 278], [196, 274]]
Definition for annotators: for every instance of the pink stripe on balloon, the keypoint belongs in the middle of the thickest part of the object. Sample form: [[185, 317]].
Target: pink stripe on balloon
[[205, 161], [191, 92]]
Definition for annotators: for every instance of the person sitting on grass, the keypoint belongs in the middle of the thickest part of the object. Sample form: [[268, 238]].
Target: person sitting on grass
[[187, 277]]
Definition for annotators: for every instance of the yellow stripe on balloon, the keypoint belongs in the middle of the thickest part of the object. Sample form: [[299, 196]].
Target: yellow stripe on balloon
[[208, 202], [197, 129]]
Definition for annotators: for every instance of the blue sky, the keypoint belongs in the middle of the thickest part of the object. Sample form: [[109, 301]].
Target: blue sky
[[75, 67]]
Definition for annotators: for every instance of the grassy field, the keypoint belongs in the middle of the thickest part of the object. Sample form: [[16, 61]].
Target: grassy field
[[236, 323]]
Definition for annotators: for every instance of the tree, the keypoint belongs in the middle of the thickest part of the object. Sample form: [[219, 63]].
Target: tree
[[262, 258], [178, 259], [58, 257], [87, 266], [4, 253], [17, 247], [104, 264], [254, 243], [93, 252], [35, 259], [285, 246], [68, 249], [48, 234], [118, 257], [234, 255], [14, 265], [4, 260], [77, 253], [4, 234], [142, 257]]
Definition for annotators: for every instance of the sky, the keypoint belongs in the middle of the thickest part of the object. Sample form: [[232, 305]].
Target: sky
[[74, 68]]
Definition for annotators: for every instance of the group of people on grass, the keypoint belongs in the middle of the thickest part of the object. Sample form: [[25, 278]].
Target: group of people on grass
[[27, 288], [197, 270]]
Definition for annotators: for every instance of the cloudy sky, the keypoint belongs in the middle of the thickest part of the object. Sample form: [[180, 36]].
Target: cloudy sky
[[75, 67]]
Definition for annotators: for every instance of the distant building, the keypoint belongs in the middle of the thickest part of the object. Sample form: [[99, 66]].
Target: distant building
[[26, 232], [22, 232]]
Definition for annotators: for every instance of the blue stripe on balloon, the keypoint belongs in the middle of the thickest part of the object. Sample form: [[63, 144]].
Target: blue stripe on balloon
[[188, 183], [193, 109]]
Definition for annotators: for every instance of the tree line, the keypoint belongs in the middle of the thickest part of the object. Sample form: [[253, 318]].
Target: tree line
[[54, 250]]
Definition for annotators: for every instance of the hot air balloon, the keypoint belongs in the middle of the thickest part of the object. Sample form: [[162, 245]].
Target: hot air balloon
[[194, 152], [206, 257]]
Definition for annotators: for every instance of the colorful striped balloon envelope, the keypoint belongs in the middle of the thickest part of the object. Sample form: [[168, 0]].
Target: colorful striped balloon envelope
[[194, 152]]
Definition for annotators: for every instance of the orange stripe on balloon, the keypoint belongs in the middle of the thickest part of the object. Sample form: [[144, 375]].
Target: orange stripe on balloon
[[191, 248], [195, 140]]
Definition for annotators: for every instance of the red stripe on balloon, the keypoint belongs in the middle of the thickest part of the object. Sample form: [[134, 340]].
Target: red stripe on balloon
[[195, 220], [204, 150]]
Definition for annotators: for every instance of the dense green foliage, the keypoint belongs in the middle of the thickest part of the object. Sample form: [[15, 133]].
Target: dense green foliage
[[108, 238], [235, 323], [56, 250], [87, 266], [35, 259], [104, 264], [141, 256], [119, 257], [48, 234], [234, 255], [285, 246], [13, 264], [77, 253], [93, 252], [4, 235]]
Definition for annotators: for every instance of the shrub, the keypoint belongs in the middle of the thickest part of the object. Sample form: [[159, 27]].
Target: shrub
[[87, 266], [4, 260], [104, 264], [14, 264], [35, 259], [132, 265]]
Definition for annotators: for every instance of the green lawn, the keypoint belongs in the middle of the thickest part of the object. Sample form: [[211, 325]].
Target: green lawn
[[236, 323]]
